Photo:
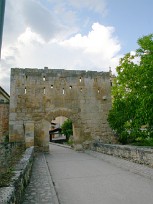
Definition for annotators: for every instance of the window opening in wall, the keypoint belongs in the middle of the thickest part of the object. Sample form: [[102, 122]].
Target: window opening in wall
[[80, 79], [44, 91], [81, 89], [51, 86], [44, 78], [25, 90], [70, 87], [63, 91], [98, 91], [26, 77]]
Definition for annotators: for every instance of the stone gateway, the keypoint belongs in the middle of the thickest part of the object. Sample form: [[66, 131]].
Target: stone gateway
[[38, 96]]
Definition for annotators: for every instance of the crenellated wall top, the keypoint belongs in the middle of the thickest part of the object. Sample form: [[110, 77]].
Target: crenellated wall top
[[58, 72]]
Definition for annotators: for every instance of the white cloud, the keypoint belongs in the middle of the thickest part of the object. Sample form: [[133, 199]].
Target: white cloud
[[41, 19], [13, 21], [93, 5], [29, 37], [36, 35], [99, 40], [97, 50]]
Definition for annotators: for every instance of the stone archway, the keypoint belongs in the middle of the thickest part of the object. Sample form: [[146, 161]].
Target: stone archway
[[37, 96], [42, 127], [68, 113]]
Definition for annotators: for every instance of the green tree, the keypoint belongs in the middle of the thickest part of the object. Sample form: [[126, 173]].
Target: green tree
[[131, 116], [67, 129]]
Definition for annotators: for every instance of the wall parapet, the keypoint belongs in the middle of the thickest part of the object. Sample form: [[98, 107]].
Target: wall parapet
[[14, 192], [55, 72], [141, 155]]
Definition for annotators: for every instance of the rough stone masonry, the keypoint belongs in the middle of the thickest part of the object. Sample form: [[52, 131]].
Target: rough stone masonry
[[37, 96]]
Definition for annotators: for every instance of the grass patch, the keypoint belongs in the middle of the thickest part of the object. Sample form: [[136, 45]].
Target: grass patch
[[5, 177]]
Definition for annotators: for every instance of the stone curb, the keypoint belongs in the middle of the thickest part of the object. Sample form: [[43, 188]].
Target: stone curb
[[53, 189], [13, 193]]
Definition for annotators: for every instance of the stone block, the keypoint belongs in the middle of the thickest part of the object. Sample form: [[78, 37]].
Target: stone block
[[78, 147]]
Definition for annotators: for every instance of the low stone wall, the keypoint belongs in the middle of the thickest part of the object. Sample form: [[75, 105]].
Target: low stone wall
[[14, 192], [141, 155]]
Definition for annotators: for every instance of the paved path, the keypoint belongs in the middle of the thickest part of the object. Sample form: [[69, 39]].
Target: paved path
[[81, 178], [40, 189]]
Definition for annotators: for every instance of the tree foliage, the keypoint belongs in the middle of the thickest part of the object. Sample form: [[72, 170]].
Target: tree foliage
[[131, 116], [67, 129]]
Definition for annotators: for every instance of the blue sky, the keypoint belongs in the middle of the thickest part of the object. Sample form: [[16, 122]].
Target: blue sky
[[71, 34], [132, 19]]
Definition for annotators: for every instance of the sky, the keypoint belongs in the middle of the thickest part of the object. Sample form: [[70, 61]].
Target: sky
[[71, 34]]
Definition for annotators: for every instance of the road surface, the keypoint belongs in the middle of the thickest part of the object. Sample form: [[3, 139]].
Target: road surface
[[80, 178]]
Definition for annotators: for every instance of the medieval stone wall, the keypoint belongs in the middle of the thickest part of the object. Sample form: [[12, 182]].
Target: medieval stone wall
[[40, 95], [4, 121]]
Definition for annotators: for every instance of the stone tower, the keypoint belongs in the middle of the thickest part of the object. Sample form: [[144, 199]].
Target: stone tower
[[40, 95]]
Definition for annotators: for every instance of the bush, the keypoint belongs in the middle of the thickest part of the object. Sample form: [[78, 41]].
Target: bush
[[67, 129], [131, 116]]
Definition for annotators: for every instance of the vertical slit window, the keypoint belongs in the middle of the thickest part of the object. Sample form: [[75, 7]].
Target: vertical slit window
[[44, 78], [25, 90], [80, 79], [98, 91], [44, 91], [63, 91], [51, 86], [81, 89]]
